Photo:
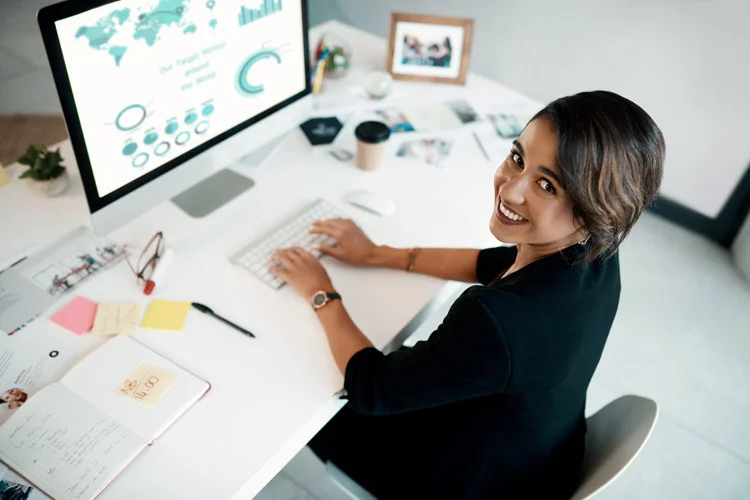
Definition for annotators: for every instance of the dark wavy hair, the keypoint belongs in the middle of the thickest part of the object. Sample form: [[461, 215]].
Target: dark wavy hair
[[611, 157]]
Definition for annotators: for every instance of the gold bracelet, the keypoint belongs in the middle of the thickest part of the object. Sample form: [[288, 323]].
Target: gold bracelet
[[412, 257]]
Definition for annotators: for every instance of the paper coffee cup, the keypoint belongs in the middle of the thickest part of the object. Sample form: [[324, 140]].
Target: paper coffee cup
[[371, 142]]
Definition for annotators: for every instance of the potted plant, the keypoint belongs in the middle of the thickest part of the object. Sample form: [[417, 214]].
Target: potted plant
[[46, 174]]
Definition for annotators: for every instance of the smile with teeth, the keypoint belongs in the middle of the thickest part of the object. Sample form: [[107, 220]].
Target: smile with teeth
[[510, 214]]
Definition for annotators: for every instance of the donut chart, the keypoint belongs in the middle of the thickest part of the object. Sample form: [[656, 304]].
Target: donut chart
[[242, 84], [162, 148], [140, 160], [182, 138], [157, 140], [201, 127], [130, 117]]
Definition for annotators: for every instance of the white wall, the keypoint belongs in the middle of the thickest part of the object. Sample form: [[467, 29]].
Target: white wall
[[319, 11], [686, 62]]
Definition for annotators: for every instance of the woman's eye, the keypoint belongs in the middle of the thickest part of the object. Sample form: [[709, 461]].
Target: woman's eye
[[547, 186], [517, 159]]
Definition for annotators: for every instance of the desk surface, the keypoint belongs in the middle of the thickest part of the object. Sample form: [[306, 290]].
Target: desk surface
[[272, 394]]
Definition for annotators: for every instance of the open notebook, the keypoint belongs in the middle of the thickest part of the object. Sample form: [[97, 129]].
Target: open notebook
[[72, 438]]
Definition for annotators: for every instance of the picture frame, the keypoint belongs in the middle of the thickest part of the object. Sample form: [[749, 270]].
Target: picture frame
[[429, 48]]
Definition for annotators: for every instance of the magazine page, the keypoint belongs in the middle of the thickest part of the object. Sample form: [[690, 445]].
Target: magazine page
[[34, 359]]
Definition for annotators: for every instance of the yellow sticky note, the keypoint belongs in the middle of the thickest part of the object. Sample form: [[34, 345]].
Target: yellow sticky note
[[166, 315], [146, 384], [116, 318], [4, 177]]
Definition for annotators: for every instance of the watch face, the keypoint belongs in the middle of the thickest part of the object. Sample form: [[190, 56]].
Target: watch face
[[319, 299]]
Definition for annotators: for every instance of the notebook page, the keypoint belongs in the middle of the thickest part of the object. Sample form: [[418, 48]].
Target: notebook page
[[65, 446], [112, 379]]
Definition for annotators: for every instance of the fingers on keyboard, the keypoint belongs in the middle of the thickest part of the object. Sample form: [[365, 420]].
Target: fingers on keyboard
[[258, 257]]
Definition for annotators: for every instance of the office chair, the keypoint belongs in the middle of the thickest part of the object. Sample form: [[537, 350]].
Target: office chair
[[615, 435]]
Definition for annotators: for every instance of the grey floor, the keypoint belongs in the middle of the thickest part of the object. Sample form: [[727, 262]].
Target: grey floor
[[681, 335]]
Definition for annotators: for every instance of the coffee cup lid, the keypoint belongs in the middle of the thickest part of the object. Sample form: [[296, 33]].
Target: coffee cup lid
[[372, 132]]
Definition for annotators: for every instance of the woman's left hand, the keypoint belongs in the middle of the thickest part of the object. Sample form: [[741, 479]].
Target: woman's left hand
[[303, 272]]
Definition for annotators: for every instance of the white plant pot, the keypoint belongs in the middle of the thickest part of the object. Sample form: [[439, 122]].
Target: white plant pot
[[50, 188]]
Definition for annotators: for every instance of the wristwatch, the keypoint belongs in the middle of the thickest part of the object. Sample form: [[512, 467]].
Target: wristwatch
[[321, 298]]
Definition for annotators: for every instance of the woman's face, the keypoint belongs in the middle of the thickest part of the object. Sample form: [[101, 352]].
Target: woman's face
[[531, 207]]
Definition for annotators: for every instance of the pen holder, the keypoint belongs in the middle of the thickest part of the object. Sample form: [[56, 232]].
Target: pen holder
[[339, 56]]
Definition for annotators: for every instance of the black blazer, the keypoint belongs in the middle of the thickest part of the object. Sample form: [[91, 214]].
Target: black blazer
[[492, 404]]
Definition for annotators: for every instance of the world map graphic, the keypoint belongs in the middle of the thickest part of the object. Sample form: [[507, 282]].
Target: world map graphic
[[144, 26]]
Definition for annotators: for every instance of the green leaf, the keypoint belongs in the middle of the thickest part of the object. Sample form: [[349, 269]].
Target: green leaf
[[26, 160], [25, 175], [57, 171], [44, 164]]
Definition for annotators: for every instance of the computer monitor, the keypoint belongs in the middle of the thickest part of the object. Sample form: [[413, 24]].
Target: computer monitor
[[159, 95]]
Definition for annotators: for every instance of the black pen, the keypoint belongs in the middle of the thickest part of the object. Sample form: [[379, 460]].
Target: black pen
[[209, 311]]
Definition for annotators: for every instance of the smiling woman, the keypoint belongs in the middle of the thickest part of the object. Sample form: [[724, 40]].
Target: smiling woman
[[583, 170], [611, 157], [492, 405]]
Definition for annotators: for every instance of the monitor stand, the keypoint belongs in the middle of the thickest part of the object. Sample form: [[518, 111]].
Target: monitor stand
[[212, 193], [222, 187]]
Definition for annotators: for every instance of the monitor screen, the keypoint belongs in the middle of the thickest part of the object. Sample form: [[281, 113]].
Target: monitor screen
[[154, 82]]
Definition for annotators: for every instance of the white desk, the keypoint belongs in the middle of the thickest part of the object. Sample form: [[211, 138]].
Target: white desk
[[272, 394]]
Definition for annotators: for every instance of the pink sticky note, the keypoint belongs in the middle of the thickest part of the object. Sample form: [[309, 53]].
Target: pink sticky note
[[77, 316]]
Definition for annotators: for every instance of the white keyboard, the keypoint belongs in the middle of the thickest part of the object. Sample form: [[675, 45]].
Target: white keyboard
[[256, 257]]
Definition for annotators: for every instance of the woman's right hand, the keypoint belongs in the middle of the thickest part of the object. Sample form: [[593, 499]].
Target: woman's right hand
[[354, 247]]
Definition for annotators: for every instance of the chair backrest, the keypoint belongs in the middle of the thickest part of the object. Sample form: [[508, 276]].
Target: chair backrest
[[741, 249], [615, 435]]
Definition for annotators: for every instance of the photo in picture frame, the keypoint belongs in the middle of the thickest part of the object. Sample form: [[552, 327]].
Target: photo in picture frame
[[429, 48]]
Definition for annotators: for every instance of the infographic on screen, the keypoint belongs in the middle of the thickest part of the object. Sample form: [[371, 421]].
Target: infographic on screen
[[153, 79]]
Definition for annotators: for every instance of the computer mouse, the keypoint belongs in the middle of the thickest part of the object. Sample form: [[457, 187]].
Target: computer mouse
[[372, 202]]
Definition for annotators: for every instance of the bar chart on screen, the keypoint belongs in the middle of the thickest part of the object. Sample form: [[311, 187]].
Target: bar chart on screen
[[266, 8]]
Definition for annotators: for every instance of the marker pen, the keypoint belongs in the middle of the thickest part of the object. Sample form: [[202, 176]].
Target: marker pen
[[161, 268]]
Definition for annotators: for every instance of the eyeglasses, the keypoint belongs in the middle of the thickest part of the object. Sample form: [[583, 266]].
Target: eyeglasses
[[148, 259]]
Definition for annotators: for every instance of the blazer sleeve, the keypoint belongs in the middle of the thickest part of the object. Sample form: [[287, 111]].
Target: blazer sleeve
[[465, 357], [493, 261]]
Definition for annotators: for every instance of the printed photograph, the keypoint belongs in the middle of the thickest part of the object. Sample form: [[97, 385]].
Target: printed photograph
[[11, 490], [464, 111], [420, 52], [395, 120], [431, 151], [508, 126], [14, 398]]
